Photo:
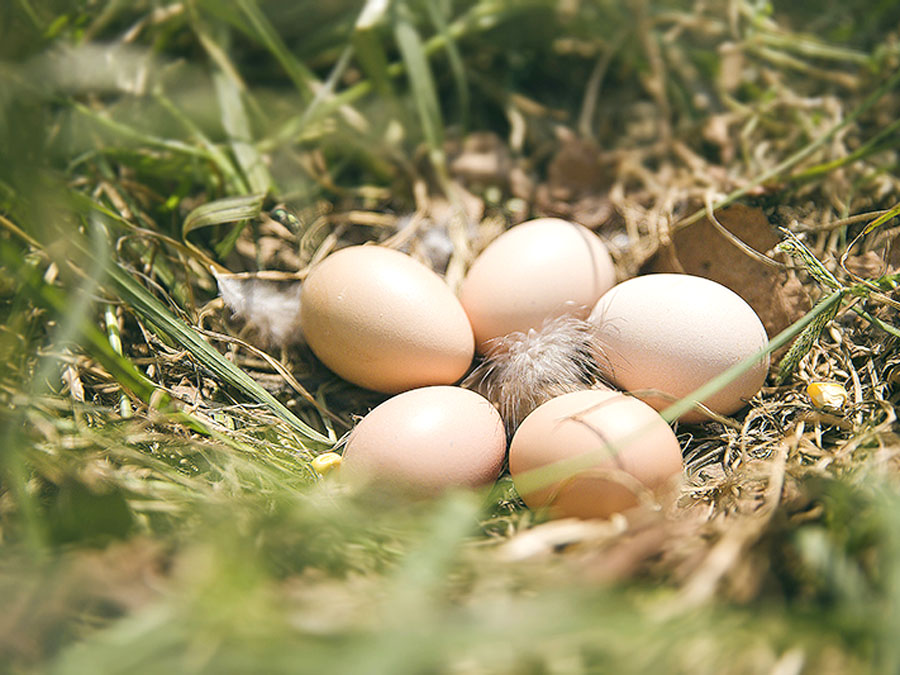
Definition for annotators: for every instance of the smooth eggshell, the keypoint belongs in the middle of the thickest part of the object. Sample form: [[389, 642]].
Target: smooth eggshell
[[673, 333], [538, 270], [427, 440], [384, 321], [633, 449]]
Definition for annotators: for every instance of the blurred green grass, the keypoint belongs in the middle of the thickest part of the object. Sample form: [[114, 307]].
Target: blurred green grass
[[198, 539]]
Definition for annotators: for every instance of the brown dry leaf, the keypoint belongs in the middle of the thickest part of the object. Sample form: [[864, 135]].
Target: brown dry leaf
[[776, 295]]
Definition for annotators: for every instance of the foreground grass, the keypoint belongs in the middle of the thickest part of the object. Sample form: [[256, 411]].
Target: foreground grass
[[157, 507]]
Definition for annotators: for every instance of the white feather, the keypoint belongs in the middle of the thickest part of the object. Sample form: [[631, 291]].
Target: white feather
[[523, 370], [272, 308]]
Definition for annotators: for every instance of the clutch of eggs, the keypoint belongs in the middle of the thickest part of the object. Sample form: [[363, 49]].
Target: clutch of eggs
[[383, 321]]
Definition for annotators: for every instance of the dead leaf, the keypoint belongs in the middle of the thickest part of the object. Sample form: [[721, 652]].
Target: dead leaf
[[776, 295]]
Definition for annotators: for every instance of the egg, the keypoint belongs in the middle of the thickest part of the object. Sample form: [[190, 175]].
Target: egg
[[427, 440], [384, 321], [672, 333], [537, 270], [624, 451]]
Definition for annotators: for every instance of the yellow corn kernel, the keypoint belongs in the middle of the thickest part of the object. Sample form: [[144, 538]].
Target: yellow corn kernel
[[826, 394], [326, 462]]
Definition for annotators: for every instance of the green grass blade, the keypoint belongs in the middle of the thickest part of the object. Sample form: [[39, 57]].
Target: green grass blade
[[457, 68], [218, 212], [139, 138], [302, 77], [421, 81], [90, 335], [367, 45], [213, 153], [237, 126], [143, 303], [882, 219]]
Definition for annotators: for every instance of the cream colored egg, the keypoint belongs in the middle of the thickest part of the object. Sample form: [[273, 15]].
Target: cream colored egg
[[618, 451], [672, 333], [384, 321], [427, 440], [535, 271]]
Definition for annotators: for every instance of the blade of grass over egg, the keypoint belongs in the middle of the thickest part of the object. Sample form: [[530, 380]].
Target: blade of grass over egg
[[544, 476], [825, 307]]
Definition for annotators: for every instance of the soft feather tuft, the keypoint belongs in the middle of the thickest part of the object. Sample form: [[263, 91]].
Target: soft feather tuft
[[520, 371], [270, 307]]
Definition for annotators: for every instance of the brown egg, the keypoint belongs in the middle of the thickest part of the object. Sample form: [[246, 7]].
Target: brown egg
[[427, 440], [538, 270], [384, 321], [672, 333], [623, 449]]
